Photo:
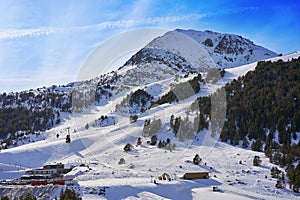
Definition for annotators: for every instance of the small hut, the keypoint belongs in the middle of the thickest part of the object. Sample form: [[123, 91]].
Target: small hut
[[196, 175]]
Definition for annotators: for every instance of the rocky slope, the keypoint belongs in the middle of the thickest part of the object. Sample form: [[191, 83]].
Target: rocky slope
[[211, 49]]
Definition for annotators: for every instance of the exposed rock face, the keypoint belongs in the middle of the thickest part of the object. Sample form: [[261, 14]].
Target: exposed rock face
[[225, 50]]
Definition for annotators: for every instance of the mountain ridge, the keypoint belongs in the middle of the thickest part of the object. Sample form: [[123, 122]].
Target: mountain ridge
[[174, 53], [235, 49], [109, 112]]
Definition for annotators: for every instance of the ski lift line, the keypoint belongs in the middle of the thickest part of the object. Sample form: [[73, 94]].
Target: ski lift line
[[90, 154], [13, 165], [104, 147]]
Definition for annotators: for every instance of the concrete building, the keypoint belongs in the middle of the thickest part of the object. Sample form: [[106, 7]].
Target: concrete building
[[47, 171]]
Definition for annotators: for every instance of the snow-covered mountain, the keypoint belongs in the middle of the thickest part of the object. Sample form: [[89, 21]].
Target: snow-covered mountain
[[211, 49], [188, 51], [102, 124]]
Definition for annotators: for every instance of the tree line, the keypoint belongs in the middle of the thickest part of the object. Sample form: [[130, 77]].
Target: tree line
[[263, 107]]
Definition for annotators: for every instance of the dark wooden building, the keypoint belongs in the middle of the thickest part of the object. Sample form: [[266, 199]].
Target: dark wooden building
[[195, 175]]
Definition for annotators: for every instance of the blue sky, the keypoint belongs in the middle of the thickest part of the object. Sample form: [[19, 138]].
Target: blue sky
[[46, 42]]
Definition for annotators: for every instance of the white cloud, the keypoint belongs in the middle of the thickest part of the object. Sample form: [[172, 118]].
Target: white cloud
[[52, 52], [129, 23], [11, 34]]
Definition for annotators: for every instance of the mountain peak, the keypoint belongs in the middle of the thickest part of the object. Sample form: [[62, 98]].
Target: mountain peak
[[185, 51], [226, 50]]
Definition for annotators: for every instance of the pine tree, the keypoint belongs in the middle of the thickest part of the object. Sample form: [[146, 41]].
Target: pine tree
[[168, 140], [172, 122], [197, 159], [121, 161], [256, 161], [133, 118], [223, 135], [139, 141], [68, 139], [275, 172], [245, 142], [256, 145], [128, 147], [160, 145], [293, 174], [236, 138], [153, 140], [27, 196], [266, 99], [280, 184], [69, 195]]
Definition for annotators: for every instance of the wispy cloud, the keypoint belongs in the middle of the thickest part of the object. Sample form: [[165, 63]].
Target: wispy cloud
[[58, 41], [130, 22], [13, 34]]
